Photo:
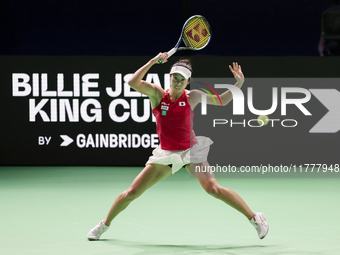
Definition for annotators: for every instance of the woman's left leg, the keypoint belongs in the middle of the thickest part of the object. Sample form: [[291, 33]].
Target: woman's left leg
[[211, 186]]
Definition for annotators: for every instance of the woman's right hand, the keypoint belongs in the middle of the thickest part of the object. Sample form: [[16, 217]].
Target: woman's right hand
[[163, 56]]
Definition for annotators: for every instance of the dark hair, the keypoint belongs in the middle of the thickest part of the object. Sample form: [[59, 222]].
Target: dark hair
[[184, 62]]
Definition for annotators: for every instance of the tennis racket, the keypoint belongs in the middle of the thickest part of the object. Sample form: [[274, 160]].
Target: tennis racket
[[196, 34]]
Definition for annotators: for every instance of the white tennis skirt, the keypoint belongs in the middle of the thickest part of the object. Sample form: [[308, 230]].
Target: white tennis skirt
[[196, 154]]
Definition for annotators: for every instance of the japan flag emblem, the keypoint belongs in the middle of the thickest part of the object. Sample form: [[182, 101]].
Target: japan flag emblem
[[181, 103]]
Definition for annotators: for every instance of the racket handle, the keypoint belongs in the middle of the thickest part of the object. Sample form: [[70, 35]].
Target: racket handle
[[170, 53]]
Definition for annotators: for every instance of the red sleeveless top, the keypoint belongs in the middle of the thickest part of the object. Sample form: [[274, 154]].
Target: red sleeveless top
[[174, 121]]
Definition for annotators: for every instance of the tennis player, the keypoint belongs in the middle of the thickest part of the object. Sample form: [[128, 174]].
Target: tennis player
[[179, 147]]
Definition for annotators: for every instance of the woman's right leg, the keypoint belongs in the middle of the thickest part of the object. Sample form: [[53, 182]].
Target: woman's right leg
[[149, 176]]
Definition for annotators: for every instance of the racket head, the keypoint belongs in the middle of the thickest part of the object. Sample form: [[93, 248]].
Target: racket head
[[196, 32], [196, 35]]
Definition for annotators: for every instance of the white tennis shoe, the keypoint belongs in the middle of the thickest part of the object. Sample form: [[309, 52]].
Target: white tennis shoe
[[97, 231], [260, 224]]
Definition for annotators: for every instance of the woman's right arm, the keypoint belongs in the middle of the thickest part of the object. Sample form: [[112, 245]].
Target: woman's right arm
[[146, 88]]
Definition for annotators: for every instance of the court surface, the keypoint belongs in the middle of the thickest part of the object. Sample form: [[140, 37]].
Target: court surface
[[49, 210]]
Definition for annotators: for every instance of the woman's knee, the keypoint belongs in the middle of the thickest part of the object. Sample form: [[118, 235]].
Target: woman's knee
[[212, 189], [132, 193]]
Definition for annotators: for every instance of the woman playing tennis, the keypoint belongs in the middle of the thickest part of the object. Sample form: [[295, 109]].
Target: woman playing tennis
[[179, 147]]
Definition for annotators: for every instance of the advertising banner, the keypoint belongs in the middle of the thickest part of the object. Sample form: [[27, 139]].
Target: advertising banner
[[81, 111]]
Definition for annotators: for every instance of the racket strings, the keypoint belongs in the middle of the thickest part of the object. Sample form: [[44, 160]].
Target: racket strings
[[196, 33]]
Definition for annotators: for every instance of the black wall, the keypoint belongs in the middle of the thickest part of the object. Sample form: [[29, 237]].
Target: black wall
[[115, 28]]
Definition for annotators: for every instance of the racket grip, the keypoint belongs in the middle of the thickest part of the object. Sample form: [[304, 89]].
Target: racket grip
[[170, 53]]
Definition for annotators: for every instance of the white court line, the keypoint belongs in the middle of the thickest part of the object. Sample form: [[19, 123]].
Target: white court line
[[69, 207]]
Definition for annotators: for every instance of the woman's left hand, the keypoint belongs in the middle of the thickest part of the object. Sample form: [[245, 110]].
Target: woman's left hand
[[237, 72]]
